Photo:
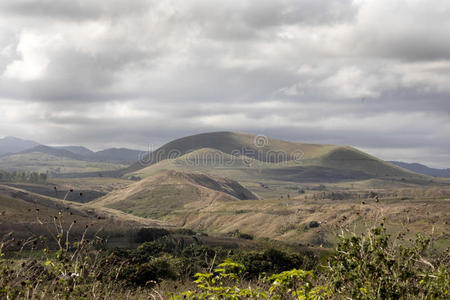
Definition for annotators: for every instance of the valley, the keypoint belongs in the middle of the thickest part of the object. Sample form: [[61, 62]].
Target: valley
[[223, 182], [208, 201]]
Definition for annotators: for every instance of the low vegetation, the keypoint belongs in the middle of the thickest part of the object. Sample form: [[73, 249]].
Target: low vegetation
[[176, 264]]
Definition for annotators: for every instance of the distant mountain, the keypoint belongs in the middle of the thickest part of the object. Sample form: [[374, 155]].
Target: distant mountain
[[111, 155], [12, 145], [117, 155], [53, 151], [422, 169], [80, 150], [9, 145]]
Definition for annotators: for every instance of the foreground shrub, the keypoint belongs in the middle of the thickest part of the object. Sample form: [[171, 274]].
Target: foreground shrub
[[367, 266], [225, 283], [372, 266]]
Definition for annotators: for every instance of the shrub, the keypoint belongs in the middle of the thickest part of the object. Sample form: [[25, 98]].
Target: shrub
[[269, 261], [314, 224], [150, 234], [372, 267]]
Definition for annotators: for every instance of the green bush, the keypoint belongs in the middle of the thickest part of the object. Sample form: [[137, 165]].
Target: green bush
[[372, 266], [151, 272], [269, 261]]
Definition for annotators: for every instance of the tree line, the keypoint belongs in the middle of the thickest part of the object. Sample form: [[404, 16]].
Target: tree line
[[15, 176]]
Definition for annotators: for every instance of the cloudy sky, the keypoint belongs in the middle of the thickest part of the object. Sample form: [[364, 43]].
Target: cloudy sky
[[374, 74]]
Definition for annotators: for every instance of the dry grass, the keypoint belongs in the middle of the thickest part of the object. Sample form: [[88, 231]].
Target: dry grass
[[19, 210]]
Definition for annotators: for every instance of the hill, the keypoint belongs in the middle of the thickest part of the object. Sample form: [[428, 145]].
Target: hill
[[25, 213], [251, 158], [80, 150], [237, 144], [116, 155], [159, 195], [68, 159], [422, 169], [59, 152], [111, 155], [9, 145]]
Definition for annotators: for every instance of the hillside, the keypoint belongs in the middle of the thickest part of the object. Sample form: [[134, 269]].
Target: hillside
[[9, 145], [159, 195], [80, 150], [22, 155], [422, 169], [59, 152], [116, 155], [112, 155], [237, 144], [25, 213], [256, 158]]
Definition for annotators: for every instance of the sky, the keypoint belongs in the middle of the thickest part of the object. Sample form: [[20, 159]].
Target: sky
[[374, 74]]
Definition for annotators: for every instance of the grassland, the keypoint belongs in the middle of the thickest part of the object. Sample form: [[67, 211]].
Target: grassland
[[274, 193], [26, 213], [42, 163], [159, 195], [287, 210]]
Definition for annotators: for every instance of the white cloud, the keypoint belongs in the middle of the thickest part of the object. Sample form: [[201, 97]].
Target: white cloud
[[32, 48]]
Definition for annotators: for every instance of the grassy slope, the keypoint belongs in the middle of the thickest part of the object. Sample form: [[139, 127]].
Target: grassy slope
[[274, 179], [237, 154], [40, 162], [289, 219], [166, 192], [90, 188], [19, 214], [232, 143]]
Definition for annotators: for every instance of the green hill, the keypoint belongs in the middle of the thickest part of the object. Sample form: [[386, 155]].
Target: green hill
[[254, 158]]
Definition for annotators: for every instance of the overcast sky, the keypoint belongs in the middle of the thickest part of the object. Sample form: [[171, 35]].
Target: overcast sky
[[101, 73]]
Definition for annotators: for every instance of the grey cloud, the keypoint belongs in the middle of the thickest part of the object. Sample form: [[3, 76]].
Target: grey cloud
[[110, 73], [253, 19], [75, 10]]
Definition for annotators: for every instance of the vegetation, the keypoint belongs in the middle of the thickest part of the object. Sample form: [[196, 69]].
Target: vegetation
[[373, 265], [245, 252], [32, 177]]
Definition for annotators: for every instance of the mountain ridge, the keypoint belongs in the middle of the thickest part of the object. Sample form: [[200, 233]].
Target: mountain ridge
[[10, 144], [110, 155], [423, 169]]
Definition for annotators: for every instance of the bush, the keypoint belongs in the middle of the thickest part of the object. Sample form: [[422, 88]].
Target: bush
[[372, 267], [314, 224], [151, 272], [150, 234], [240, 235], [269, 261]]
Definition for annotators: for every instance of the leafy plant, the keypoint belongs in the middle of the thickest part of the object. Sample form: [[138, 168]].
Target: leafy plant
[[371, 266]]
